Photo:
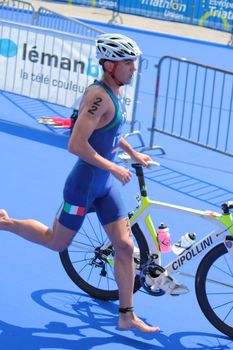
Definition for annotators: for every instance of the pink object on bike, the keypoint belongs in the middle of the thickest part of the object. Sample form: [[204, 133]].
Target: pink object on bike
[[164, 238]]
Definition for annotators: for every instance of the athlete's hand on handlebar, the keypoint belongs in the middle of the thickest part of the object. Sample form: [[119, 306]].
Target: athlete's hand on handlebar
[[138, 157], [142, 158]]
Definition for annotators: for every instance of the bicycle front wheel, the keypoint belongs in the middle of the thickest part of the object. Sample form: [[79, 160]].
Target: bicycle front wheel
[[89, 260], [214, 288]]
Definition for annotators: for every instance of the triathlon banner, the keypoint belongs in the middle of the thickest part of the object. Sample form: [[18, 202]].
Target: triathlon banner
[[215, 14], [50, 66]]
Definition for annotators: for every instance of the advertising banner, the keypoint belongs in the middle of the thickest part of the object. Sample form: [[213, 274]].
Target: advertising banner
[[211, 13], [48, 66], [169, 10], [216, 14]]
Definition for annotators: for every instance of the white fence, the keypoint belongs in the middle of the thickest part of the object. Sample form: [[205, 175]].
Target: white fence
[[51, 65]]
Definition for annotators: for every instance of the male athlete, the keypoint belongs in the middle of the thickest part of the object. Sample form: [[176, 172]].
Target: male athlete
[[92, 181]]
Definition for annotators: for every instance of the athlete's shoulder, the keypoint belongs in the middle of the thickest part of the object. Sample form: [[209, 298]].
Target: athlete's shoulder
[[95, 101], [94, 91], [95, 94]]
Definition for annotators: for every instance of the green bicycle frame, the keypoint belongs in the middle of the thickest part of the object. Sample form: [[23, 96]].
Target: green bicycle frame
[[224, 223]]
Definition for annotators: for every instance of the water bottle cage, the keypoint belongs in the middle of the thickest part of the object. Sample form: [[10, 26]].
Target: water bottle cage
[[185, 242]]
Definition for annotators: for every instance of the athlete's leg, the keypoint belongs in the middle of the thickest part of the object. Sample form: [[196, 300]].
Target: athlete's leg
[[113, 216], [57, 238], [119, 233]]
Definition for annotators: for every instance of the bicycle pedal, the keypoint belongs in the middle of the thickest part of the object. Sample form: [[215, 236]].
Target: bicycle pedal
[[179, 289], [169, 285]]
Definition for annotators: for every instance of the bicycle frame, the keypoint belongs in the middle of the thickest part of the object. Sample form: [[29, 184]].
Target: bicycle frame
[[142, 216], [224, 223]]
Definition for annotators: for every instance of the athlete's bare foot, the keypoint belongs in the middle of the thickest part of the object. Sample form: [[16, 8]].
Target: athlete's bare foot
[[3, 217], [130, 321]]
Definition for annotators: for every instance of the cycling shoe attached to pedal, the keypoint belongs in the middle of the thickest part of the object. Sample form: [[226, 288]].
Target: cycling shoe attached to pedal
[[167, 283]]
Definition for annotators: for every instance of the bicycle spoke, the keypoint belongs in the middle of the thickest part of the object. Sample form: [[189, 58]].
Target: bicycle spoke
[[222, 270], [208, 279], [223, 305], [217, 307], [217, 300], [89, 260], [185, 274], [79, 261], [88, 271], [228, 265], [221, 293], [90, 239], [84, 267], [228, 313], [89, 236], [219, 283], [88, 279]]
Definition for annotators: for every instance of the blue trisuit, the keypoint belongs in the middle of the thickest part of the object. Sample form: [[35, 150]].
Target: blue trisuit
[[88, 186]]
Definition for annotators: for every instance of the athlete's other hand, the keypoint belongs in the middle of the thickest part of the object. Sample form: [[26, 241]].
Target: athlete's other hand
[[122, 174]]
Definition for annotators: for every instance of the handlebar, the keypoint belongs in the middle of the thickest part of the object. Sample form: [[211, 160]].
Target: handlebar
[[226, 207], [125, 158], [139, 171]]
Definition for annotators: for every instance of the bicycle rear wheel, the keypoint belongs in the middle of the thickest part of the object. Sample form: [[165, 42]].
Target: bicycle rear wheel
[[214, 288], [89, 260]]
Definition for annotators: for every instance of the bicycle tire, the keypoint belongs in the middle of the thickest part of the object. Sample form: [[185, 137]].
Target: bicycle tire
[[99, 286], [214, 280]]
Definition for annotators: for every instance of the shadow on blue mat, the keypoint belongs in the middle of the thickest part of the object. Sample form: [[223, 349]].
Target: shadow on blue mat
[[97, 316], [52, 336], [191, 186], [30, 133]]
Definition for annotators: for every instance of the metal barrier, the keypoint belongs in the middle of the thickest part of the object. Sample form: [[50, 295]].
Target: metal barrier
[[50, 19], [11, 9], [51, 57], [194, 102], [47, 56], [24, 12]]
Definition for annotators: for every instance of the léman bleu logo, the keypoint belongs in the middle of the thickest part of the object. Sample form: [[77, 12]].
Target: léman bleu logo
[[8, 48]]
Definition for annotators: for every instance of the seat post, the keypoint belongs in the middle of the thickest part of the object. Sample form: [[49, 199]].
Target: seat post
[[141, 179]]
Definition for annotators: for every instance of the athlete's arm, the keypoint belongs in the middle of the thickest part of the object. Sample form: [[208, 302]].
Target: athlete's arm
[[94, 106]]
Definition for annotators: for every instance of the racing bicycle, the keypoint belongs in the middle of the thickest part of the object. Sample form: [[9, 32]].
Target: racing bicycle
[[89, 260]]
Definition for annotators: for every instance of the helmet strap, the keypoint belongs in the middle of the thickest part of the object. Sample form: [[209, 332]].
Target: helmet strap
[[112, 72]]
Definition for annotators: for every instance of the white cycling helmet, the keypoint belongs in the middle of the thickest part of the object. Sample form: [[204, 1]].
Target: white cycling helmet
[[116, 47]]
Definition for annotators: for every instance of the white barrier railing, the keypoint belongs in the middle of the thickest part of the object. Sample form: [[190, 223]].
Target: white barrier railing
[[49, 65]]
